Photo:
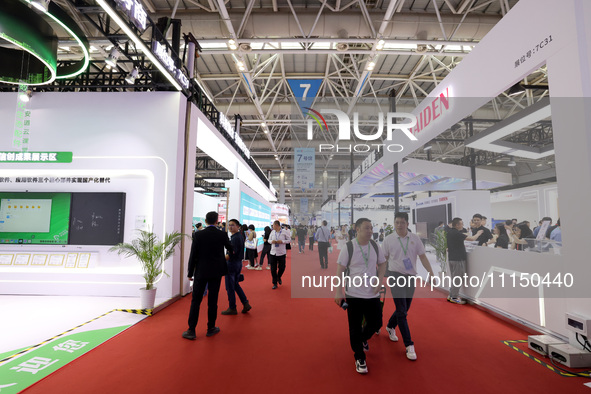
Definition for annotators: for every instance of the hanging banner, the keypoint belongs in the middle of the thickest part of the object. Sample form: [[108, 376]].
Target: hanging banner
[[304, 205], [304, 168], [304, 91]]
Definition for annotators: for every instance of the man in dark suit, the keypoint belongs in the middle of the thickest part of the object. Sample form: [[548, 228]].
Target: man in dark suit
[[207, 264]]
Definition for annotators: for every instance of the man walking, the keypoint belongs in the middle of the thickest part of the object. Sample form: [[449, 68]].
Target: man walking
[[234, 267], [323, 238], [457, 256], [401, 249], [361, 258], [278, 239], [207, 265]]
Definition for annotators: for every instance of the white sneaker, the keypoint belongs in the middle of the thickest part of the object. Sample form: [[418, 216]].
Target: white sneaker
[[250, 267], [361, 366], [259, 268], [268, 267], [456, 300], [392, 334], [410, 353]]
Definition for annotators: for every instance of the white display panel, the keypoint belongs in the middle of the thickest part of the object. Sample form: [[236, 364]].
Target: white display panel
[[25, 215]]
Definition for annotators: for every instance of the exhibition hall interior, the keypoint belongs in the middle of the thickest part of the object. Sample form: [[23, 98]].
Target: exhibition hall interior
[[123, 123]]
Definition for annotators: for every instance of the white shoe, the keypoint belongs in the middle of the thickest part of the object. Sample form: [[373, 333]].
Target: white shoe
[[268, 267], [259, 268], [250, 267], [456, 300], [410, 353], [360, 366], [392, 334]]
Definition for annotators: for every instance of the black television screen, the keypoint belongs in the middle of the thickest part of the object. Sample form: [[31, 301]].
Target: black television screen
[[97, 218]]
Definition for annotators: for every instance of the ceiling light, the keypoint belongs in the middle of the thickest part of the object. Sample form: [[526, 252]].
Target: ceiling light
[[213, 180], [111, 60], [199, 189], [370, 66], [263, 124], [232, 45], [539, 165], [550, 162], [240, 65], [266, 131], [41, 5], [498, 160], [489, 163], [133, 74], [380, 45], [26, 96], [511, 163], [427, 147]]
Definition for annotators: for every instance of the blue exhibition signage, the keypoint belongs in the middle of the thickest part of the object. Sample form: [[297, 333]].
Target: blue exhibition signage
[[305, 91]]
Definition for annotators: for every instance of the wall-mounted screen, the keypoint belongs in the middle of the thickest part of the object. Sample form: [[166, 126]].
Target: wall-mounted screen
[[61, 218], [34, 218]]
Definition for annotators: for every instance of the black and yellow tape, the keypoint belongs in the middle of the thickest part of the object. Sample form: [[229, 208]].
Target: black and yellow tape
[[542, 363], [147, 312]]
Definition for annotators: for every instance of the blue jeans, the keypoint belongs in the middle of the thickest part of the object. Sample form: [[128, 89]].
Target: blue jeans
[[233, 286], [402, 300]]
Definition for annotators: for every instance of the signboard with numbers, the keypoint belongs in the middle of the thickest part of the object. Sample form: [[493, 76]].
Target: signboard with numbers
[[304, 91], [304, 168]]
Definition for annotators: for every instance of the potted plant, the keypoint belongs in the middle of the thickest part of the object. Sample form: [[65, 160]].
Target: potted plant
[[439, 243], [151, 253]]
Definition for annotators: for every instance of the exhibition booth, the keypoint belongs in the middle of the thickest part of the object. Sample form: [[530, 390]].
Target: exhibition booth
[[497, 63]]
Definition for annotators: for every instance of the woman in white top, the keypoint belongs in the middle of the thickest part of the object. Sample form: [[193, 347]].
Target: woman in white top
[[251, 249], [342, 237]]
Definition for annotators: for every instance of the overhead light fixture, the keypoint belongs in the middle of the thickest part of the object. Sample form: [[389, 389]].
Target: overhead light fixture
[[199, 189], [140, 44], [111, 60], [540, 164], [263, 124], [266, 131], [232, 45], [213, 180], [550, 162], [240, 65], [131, 77], [511, 163], [41, 5], [370, 66], [380, 45], [26, 96], [427, 147]]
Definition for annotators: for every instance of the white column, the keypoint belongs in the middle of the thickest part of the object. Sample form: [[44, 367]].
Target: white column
[[281, 187]]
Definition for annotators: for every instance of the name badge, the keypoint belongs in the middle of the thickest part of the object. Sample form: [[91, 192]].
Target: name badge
[[407, 264]]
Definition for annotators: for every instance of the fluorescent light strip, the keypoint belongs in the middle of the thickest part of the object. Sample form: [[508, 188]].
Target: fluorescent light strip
[[138, 42]]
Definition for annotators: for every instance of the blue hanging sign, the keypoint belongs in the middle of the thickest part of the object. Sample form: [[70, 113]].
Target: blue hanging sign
[[305, 91]]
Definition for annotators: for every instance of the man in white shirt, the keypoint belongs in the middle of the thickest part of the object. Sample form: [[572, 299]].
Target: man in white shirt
[[323, 238], [367, 261], [278, 239], [401, 249]]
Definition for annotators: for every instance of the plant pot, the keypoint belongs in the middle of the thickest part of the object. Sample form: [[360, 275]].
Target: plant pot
[[147, 298]]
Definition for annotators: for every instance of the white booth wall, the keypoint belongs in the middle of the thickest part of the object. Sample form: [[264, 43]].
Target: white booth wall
[[134, 139], [528, 203], [203, 204]]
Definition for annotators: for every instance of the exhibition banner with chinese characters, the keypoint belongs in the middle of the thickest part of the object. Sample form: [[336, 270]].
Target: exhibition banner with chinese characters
[[21, 369], [304, 168]]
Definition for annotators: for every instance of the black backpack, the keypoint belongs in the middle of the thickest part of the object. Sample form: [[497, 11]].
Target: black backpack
[[350, 251]]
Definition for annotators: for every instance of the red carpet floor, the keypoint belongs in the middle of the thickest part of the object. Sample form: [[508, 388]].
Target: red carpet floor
[[291, 345]]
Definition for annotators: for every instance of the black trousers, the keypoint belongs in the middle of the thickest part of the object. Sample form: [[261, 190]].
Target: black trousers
[[265, 252], [371, 308], [323, 254], [213, 285], [311, 242], [277, 262]]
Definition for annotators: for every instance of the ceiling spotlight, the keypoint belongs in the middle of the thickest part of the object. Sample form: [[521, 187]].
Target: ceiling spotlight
[[41, 5], [266, 131], [111, 60], [427, 147], [133, 74], [25, 96], [232, 45], [511, 163], [370, 66], [380, 45], [240, 66]]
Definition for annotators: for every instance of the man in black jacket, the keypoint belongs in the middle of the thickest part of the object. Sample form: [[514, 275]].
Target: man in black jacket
[[207, 265]]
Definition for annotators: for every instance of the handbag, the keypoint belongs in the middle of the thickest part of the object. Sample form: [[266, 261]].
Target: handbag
[[240, 277], [330, 249]]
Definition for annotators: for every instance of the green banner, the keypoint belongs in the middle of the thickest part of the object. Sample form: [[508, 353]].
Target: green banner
[[21, 372], [36, 157]]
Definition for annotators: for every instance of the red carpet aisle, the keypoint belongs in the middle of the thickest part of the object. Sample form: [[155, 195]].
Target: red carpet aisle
[[287, 345]]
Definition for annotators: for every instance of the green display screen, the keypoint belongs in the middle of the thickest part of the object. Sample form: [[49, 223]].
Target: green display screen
[[34, 218]]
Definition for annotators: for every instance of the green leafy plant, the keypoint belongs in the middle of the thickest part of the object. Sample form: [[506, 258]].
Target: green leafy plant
[[439, 243], [388, 230], [151, 252]]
